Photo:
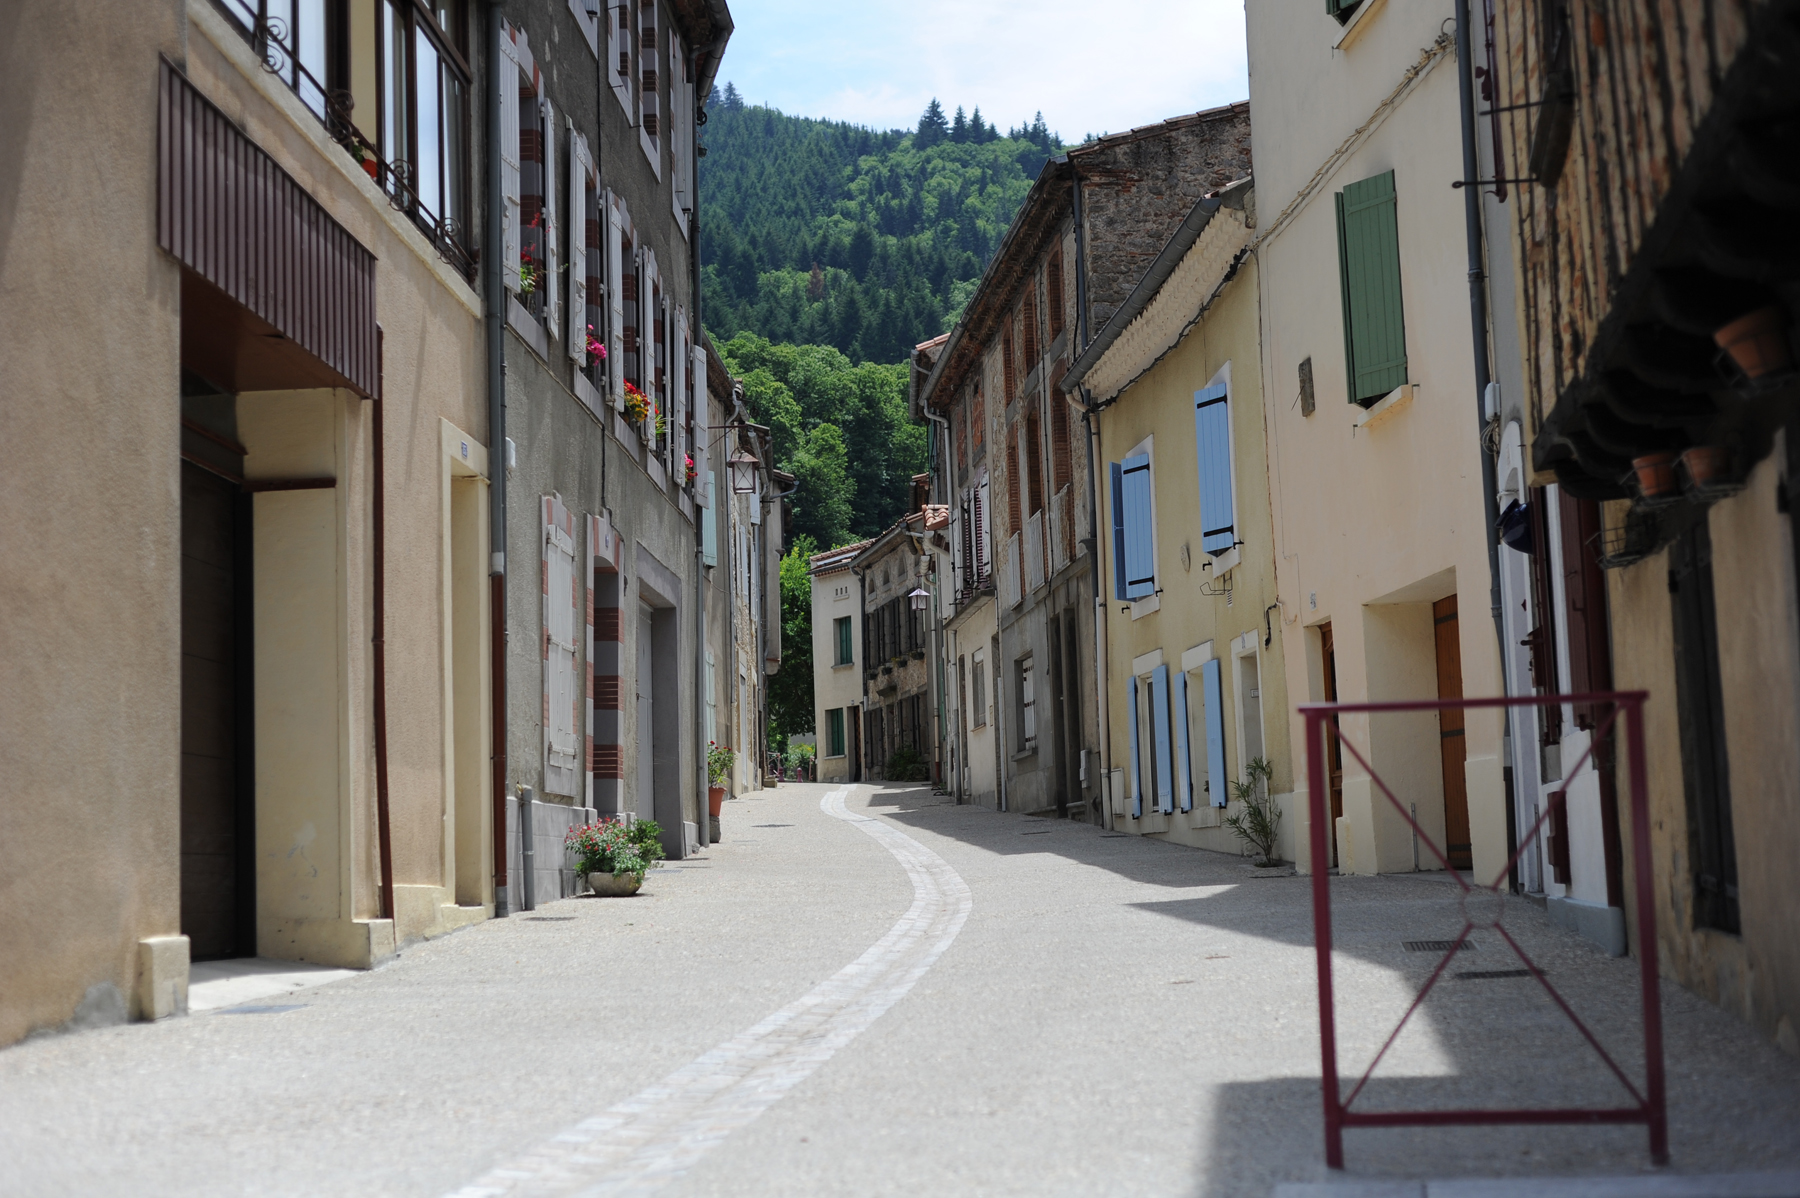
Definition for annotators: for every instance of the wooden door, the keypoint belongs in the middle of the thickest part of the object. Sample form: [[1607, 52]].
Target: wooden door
[[1334, 750], [1453, 747]]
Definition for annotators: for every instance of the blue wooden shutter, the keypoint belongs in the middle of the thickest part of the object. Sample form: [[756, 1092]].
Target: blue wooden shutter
[[1215, 734], [1118, 517], [1184, 758], [1369, 274], [1212, 449], [1140, 557], [1137, 772], [1159, 735]]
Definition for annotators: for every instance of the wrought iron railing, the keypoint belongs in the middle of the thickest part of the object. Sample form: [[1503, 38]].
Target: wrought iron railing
[[277, 48]]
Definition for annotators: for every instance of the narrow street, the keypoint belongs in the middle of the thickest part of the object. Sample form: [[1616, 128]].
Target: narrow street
[[1114, 1015]]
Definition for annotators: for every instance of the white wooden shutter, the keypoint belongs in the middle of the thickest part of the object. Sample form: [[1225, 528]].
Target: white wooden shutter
[[562, 756], [617, 67], [709, 522], [678, 359], [508, 82], [589, 24], [579, 166], [552, 276], [615, 337]]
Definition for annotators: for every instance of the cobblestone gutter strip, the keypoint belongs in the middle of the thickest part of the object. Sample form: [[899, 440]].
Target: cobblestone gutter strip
[[647, 1141]]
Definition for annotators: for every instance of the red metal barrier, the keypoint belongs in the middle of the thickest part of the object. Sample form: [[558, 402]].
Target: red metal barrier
[[1650, 1108]]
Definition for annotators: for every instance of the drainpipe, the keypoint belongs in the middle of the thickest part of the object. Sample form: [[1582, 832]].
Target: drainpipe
[[697, 410], [1478, 321], [937, 616], [378, 616], [862, 707], [1102, 701], [495, 288]]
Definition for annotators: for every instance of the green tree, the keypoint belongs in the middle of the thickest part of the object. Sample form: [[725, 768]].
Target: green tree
[[791, 692], [824, 493], [933, 128]]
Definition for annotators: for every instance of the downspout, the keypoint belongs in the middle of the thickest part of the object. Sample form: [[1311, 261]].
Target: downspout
[[378, 616], [697, 412], [495, 287], [937, 614], [1102, 700], [1478, 321]]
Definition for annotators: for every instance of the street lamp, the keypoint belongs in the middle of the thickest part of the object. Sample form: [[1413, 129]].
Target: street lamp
[[919, 596], [743, 472]]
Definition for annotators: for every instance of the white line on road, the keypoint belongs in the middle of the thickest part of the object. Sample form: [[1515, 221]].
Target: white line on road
[[647, 1141]]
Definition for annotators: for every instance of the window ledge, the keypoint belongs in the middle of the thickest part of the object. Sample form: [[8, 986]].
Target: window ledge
[[527, 326], [1379, 411], [1022, 754], [844, 665], [1354, 27], [1223, 562], [1143, 607]]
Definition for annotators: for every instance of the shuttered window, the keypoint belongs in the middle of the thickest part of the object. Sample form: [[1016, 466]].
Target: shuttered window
[[561, 594], [709, 523], [579, 170], [1700, 706], [1013, 482], [1062, 470], [1212, 448], [1008, 366], [1159, 739], [509, 158], [1053, 292], [1369, 275], [552, 284], [1137, 772], [1184, 758], [834, 735], [1134, 557], [1214, 699], [615, 299], [844, 641]]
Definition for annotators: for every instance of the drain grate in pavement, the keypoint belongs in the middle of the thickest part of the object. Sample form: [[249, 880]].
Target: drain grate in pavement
[[1435, 946], [548, 918], [273, 1009], [1482, 975], [771, 825], [1039, 832]]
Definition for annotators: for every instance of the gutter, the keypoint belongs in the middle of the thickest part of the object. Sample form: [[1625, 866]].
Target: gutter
[[1102, 699], [495, 305], [378, 616]]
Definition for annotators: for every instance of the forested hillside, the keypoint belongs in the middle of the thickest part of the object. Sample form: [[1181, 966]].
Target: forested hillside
[[826, 233]]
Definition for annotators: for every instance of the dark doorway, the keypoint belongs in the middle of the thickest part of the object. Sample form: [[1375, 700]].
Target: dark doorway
[[1059, 746], [1700, 709], [1453, 745], [1334, 750], [218, 898], [853, 726], [1071, 703]]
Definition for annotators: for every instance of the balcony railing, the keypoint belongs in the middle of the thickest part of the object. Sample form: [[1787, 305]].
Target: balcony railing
[[284, 54]]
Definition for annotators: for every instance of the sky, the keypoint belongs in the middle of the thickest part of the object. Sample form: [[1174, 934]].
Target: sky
[[1091, 67]]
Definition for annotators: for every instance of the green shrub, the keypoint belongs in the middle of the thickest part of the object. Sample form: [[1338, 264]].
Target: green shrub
[[906, 766], [1258, 823]]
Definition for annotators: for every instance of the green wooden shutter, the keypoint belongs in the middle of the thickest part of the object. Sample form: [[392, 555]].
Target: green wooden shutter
[[1369, 274]]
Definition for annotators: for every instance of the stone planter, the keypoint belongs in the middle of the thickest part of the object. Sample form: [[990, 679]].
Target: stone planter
[[615, 885]]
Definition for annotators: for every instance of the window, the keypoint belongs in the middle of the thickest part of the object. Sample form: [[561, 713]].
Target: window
[[1062, 467], [1053, 292], [1027, 705], [978, 708], [1013, 481], [834, 732], [1160, 739], [1212, 449], [1034, 460], [1369, 276], [845, 654], [1028, 324], [1342, 10], [1211, 682], [585, 323], [1007, 365], [1134, 532], [1700, 705], [1137, 754]]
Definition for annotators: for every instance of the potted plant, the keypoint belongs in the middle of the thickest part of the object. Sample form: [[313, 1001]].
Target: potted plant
[[1757, 341], [637, 404], [1258, 823], [595, 347], [1706, 465], [614, 857], [718, 768], [1655, 474], [691, 471]]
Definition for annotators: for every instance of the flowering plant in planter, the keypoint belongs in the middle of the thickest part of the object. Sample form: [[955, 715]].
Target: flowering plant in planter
[[691, 471], [662, 423], [530, 269], [596, 348], [718, 762], [637, 404], [609, 847]]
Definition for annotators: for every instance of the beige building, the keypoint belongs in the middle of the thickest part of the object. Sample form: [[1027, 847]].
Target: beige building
[[1373, 459], [837, 654], [270, 624], [1196, 686]]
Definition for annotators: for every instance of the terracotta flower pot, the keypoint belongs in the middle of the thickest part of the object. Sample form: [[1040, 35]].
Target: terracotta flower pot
[[715, 800], [371, 167], [1655, 474], [1706, 464], [1757, 342]]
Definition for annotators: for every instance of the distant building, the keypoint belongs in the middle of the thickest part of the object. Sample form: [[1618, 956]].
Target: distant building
[[837, 628], [1012, 456]]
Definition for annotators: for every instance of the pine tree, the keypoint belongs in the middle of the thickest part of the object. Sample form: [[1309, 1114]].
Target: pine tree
[[732, 100], [959, 128], [1039, 134], [815, 285], [980, 133], [933, 128]]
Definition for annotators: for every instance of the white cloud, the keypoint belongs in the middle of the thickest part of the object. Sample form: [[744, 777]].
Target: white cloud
[[1089, 67]]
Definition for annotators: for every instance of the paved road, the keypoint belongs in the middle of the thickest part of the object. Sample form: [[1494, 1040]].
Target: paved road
[[883, 995]]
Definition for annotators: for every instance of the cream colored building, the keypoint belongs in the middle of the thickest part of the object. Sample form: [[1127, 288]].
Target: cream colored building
[[214, 743], [1196, 686], [1373, 459], [837, 654]]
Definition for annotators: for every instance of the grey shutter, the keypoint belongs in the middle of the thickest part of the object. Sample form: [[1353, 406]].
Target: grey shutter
[[552, 281], [1212, 449], [508, 72], [1140, 556], [578, 173], [1184, 758], [1159, 739], [1137, 770], [1215, 734], [1369, 274]]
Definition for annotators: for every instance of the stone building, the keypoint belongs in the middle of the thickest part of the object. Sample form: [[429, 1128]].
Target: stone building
[[605, 382], [1014, 465], [899, 733], [1653, 455]]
